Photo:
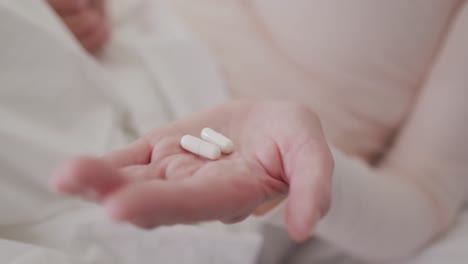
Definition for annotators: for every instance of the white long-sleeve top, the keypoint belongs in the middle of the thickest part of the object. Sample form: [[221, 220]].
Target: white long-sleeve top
[[389, 80]]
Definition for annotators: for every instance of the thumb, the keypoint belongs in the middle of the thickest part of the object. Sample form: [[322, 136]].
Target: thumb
[[309, 168]]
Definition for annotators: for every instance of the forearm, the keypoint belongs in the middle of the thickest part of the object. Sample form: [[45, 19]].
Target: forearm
[[379, 216], [422, 181], [376, 215]]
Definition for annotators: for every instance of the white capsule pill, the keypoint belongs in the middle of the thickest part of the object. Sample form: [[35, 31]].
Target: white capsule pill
[[200, 147], [225, 144]]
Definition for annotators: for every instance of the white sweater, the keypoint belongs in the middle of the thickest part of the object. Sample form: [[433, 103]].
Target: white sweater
[[389, 81]]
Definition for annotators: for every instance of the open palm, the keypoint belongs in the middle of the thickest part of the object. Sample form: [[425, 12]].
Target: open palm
[[280, 149]]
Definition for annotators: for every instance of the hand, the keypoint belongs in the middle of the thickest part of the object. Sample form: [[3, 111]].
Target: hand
[[86, 19], [280, 148]]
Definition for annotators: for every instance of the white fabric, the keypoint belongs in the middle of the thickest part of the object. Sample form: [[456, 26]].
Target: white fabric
[[351, 224], [56, 101]]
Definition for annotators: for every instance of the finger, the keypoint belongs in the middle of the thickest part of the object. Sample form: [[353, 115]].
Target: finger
[[138, 173], [83, 176], [96, 41], [83, 22], [68, 6], [175, 167], [137, 153], [309, 167], [94, 179], [171, 168], [219, 194], [87, 177]]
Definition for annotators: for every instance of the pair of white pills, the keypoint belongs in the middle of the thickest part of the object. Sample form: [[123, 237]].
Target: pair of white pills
[[210, 145]]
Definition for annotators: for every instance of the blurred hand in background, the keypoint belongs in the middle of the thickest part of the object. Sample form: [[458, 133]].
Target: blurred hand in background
[[87, 20]]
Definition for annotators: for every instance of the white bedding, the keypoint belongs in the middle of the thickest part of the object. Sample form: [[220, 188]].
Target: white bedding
[[57, 101]]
